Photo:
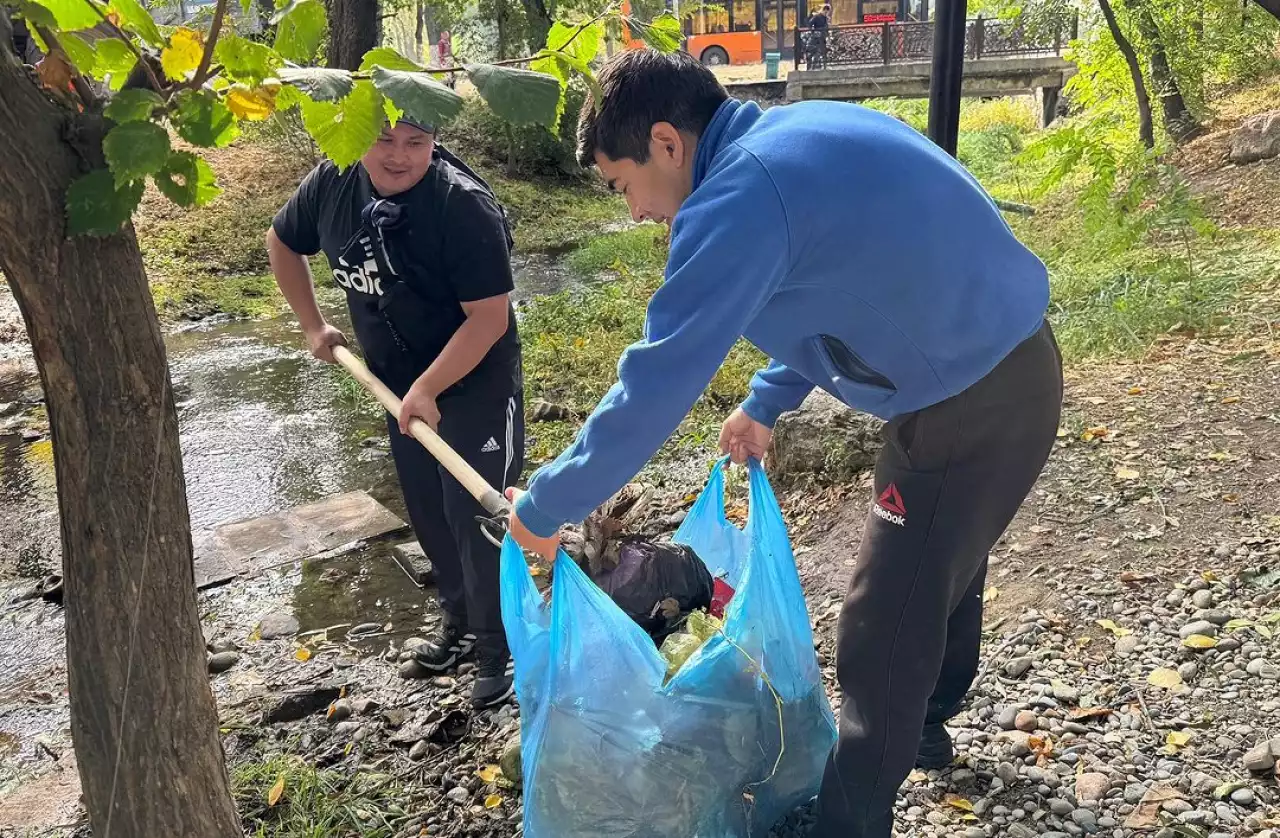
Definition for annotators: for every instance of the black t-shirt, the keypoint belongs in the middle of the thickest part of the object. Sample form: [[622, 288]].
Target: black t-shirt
[[405, 283], [819, 21]]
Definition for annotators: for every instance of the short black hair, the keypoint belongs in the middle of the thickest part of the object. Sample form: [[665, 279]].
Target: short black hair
[[639, 89]]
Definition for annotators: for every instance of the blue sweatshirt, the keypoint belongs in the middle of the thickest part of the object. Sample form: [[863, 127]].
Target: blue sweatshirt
[[849, 248]]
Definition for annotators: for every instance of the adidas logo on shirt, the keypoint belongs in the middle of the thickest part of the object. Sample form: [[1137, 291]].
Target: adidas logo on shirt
[[490, 446]]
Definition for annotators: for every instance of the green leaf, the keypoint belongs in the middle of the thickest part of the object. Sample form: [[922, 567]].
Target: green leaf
[[82, 55], [662, 33], [582, 45], [246, 6], [203, 120], [69, 15], [95, 206], [136, 19], [187, 180], [116, 60], [418, 95], [345, 130], [388, 58], [135, 150], [133, 105], [301, 28], [518, 96], [319, 83], [36, 14], [287, 97], [245, 60]]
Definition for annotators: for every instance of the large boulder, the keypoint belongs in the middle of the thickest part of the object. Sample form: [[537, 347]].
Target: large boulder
[[1258, 138], [825, 439]]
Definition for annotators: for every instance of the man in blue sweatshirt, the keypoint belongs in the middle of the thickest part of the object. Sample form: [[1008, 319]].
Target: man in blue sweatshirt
[[865, 261]]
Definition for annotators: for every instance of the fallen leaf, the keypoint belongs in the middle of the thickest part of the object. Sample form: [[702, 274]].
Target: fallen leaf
[[493, 801], [1126, 473], [277, 791], [917, 776], [1096, 432], [1264, 631], [489, 773], [1231, 497], [1110, 625], [1231, 400], [1136, 391], [1199, 641], [990, 594], [303, 654], [537, 570], [1225, 790], [1237, 624], [1177, 739], [1209, 576], [957, 802], [1272, 618], [1147, 814], [1084, 641], [1166, 678], [1081, 714]]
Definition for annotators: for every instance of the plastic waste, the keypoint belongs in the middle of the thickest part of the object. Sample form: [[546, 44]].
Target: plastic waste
[[733, 741]]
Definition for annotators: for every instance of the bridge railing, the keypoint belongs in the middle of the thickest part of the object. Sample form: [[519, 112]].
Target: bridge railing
[[901, 42]]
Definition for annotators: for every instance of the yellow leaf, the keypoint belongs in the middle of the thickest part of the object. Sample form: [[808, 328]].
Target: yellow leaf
[[489, 773], [277, 791], [1231, 400], [1178, 739], [1264, 631], [1136, 391], [1096, 432], [182, 56], [493, 801], [1234, 625], [1209, 576], [537, 570], [254, 105], [302, 654], [1111, 626], [990, 594], [957, 802], [1199, 641], [1126, 473], [1165, 678]]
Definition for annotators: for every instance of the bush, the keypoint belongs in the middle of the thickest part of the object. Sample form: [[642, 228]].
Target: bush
[[478, 133]]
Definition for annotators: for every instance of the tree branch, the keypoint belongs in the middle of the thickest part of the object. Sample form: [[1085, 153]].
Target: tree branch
[[119, 33], [83, 90], [202, 72], [512, 62]]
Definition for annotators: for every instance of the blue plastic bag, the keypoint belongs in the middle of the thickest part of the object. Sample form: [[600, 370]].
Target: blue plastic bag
[[718, 751]]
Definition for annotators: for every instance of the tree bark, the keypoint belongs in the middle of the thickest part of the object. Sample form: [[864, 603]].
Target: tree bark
[[143, 719], [354, 28], [1145, 131], [419, 29], [1179, 122], [539, 19], [1270, 6]]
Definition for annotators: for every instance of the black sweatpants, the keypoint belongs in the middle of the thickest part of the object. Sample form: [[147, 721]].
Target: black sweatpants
[[488, 432], [948, 482]]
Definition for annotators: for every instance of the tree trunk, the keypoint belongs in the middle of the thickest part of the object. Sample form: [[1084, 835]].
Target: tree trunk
[[1178, 119], [419, 29], [539, 19], [354, 28], [1145, 132], [142, 717], [1271, 6]]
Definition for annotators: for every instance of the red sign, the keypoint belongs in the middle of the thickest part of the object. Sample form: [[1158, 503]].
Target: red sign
[[879, 18]]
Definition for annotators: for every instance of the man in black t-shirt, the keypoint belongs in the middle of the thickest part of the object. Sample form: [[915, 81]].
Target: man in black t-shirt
[[421, 248]]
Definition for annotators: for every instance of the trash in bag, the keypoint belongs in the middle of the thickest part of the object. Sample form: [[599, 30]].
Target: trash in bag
[[734, 740], [657, 584], [680, 646]]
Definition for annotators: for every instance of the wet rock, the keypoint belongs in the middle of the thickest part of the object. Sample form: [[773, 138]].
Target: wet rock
[[298, 704], [1257, 138], [412, 669], [413, 560], [826, 438], [419, 750], [223, 661], [277, 624], [339, 711], [365, 628]]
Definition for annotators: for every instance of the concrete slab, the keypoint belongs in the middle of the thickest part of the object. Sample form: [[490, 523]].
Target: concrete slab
[[243, 548], [414, 562]]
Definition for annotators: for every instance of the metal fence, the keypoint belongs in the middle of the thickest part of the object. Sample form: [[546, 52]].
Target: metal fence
[[900, 42]]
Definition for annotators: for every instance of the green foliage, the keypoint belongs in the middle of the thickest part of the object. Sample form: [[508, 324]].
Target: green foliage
[[135, 150], [136, 19], [201, 119], [418, 95], [344, 130], [663, 33], [388, 58], [314, 802], [300, 28], [319, 83], [68, 15], [96, 206], [187, 180], [521, 97], [245, 60], [133, 105]]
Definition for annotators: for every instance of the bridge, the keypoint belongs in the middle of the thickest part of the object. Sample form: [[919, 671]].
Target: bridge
[[867, 61]]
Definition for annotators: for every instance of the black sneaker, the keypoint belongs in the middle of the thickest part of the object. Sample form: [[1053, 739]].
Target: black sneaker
[[935, 751], [495, 678], [445, 650]]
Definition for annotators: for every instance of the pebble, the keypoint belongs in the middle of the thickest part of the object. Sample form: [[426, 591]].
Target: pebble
[[1127, 645], [1202, 599], [1204, 627], [223, 661], [277, 624], [1175, 598], [1026, 721], [1092, 786], [1242, 797], [1177, 807], [1017, 667], [459, 795], [419, 750], [1008, 718], [1214, 615], [1061, 808], [339, 711], [1259, 758]]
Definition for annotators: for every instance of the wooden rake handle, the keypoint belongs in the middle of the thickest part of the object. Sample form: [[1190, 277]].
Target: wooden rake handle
[[490, 498]]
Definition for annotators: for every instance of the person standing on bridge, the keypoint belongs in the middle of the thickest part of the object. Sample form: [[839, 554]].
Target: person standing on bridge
[[421, 247], [928, 313]]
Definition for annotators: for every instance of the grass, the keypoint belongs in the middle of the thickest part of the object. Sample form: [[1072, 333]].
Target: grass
[[317, 803]]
